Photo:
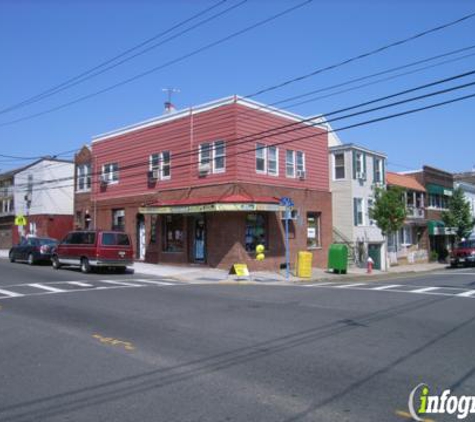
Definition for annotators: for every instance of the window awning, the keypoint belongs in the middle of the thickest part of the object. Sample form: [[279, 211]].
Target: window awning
[[438, 190], [214, 204], [438, 228]]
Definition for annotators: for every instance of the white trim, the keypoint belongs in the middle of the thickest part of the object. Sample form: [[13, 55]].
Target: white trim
[[155, 121]]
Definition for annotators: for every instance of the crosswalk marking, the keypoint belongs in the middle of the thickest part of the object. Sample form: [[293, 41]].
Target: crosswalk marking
[[47, 288], [8, 293], [425, 290], [120, 283], [79, 283], [389, 286], [158, 283], [350, 285], [470, 293], [92, 285]]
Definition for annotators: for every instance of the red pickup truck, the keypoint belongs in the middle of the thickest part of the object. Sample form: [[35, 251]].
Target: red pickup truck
[[463, 254], [91, 249]]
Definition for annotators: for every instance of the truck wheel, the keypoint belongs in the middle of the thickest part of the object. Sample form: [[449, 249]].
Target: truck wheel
[[85, 266]]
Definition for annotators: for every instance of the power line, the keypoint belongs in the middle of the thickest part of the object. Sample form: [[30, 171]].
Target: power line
[[160, 67], [101, 68], [311, 120], [242, 139], [372, 121], [364, 55]]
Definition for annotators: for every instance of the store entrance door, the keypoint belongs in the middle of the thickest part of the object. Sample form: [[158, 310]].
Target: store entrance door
[[199, 239]]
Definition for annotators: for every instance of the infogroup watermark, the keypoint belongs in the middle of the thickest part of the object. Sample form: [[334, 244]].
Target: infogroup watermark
[[422, 404]]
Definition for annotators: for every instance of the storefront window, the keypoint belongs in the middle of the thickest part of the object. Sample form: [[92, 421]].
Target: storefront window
[[173, 233], [118, 220], [313, 230], [256, 231]]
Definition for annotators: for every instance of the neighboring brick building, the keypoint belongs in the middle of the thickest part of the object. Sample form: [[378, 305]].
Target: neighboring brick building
[[83, 206], [203, 185], [439, 185], [7, 208]]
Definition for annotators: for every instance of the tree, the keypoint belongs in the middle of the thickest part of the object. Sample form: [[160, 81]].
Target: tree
[[389, 209], [458, 215]]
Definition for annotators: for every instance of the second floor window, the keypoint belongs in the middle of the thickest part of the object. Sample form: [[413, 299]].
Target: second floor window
[[294, 163], [212, 157], [110, 173], [339, 166], [84, 178], [290, 163], [267, 159], [378, 170], [160, 164]]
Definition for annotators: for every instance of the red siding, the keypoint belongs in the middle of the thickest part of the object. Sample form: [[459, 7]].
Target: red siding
[[230, 123]]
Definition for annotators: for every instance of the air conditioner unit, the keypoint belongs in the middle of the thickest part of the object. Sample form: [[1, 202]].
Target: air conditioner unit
[[154, 174], [204, 168], [301, 174], [361, 175], [103, 179]]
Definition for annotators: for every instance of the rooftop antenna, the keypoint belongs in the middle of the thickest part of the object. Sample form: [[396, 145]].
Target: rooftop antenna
[[169, 107]]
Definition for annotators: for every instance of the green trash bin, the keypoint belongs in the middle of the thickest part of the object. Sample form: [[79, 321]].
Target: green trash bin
[[338, 258]]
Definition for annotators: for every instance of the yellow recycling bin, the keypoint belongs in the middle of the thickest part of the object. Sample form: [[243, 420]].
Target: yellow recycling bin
[[304, 264]]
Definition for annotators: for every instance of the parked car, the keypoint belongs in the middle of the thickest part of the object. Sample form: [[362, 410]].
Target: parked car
[[463, 254], [33, 250], [92, 249]]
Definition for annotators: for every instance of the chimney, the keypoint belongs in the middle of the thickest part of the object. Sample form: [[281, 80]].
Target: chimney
[[169, 108]]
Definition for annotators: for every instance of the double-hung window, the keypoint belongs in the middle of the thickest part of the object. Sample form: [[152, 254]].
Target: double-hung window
[[358, 211], [83, 178], [160, 165], [339, 160], [267, 160], [212, 157], [110, 173], [290, 163], [378, 170], [300, 164]]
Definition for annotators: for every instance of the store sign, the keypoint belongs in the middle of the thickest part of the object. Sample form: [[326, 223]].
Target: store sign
[[240, 270], [191, 209]]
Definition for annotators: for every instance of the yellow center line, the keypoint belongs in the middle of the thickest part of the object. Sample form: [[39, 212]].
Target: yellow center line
[[407, 415], [127, 345]]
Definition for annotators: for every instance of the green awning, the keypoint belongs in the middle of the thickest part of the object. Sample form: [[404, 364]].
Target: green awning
[[438, 189], [436, 227]]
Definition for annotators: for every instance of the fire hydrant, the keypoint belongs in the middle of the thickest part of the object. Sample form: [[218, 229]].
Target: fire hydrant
[[369, 265]]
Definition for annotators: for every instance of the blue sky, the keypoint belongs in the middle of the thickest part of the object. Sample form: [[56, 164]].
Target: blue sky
[[44, 43]]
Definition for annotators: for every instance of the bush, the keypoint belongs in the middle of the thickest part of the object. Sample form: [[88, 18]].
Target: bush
[[434, 256]]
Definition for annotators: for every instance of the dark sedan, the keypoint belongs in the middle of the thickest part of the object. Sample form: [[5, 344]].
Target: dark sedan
[[33, 250]]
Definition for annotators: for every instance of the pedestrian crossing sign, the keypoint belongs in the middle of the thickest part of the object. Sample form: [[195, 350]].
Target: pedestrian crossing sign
[[20, 220]]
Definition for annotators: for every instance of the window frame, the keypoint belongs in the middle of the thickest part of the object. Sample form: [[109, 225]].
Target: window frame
[[335, 167], [112, 176], [84, 177], [212, 156], [293, 175], [157, 162], [358, 212], [318, 229]]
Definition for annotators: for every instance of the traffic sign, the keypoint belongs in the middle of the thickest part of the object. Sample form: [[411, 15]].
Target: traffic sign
[[286, 201]]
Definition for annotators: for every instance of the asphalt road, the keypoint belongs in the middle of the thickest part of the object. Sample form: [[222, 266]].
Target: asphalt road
[[80, 347]]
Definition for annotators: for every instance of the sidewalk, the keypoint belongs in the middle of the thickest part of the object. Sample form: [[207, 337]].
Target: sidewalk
[[206, 275]]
